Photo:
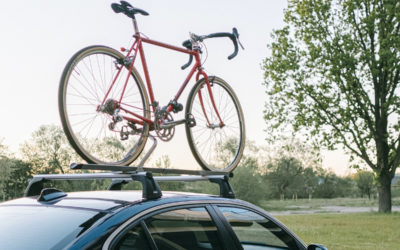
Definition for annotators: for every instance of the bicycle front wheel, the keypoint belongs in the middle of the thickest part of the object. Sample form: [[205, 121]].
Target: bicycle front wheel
[[215, 126], [94, 112]]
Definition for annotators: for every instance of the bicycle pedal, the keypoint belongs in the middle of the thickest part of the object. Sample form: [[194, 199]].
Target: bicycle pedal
[[124, 133]]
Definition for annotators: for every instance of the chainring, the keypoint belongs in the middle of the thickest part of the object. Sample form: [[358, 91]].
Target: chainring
[[165, 134]]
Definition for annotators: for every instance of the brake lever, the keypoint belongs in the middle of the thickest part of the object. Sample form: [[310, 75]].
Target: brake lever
[[240, 44], [236, 34]]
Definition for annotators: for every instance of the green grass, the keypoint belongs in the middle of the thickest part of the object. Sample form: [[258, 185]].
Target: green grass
[[305, 204], [347, 231]]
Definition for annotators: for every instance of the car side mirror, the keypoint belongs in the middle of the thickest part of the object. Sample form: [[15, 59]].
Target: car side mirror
[[316, 247]]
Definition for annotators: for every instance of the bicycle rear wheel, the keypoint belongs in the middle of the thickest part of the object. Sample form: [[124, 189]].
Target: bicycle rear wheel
[[90, 127], [215, 146]]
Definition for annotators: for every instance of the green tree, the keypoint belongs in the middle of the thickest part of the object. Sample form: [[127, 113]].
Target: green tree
[[18, 177], [292, 169], [14, 175], [305, 184], [247, 182], [334, 77], [5, 173], [365, 182], [48, 151], [331, 186], [282, 174]]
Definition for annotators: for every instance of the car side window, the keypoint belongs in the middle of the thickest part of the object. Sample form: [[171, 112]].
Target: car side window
[[255, 231], [133, 239], [188, 228]]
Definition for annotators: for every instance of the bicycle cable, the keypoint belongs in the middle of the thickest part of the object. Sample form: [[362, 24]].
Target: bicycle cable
[[203, 45]]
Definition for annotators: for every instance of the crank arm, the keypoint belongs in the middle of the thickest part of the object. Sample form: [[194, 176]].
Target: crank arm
[[167, 125]]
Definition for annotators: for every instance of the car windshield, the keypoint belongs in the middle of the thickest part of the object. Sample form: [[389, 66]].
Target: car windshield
[[42, 227]]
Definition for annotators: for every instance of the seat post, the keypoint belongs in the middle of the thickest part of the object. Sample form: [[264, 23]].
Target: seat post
[[135, 26]]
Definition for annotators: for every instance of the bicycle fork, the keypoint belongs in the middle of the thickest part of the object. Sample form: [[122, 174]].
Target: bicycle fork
[[209, 90]]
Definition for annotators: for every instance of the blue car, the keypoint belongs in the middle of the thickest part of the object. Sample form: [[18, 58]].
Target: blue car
[[47, 218]]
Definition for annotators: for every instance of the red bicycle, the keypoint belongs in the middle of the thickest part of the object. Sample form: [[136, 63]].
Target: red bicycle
[[107, 112]]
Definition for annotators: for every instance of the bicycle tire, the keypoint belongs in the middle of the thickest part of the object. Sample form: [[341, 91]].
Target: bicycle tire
[[215, 148], [84, 82]]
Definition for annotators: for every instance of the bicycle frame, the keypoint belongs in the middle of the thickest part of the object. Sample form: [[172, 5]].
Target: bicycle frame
[[137, 47]]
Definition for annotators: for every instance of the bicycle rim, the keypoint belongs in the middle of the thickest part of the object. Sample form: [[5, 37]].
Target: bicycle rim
[[84, 84], [214, 147]]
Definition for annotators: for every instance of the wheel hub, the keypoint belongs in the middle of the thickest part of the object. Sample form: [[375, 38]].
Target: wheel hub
[[108, 107]]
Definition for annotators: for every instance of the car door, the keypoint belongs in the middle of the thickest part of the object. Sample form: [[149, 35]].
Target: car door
[[255, 230]]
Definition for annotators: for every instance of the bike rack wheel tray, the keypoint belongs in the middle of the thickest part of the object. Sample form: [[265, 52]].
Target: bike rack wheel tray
[[121, 175]]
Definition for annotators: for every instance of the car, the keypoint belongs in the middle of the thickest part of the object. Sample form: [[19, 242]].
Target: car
[[48, 218]]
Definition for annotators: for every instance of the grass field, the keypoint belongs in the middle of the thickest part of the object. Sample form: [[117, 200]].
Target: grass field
[[347, 231], [305, 204]]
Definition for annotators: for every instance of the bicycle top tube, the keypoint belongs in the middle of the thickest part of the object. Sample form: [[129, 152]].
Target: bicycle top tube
[[192, 53]]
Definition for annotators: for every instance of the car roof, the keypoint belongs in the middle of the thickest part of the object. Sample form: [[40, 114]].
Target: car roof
[[105, 200]]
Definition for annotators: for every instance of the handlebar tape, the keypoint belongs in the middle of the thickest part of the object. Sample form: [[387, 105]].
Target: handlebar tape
[[187, 44], [233, 36]]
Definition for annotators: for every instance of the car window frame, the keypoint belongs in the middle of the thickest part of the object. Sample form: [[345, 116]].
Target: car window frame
[[301, 245], [224, 237]]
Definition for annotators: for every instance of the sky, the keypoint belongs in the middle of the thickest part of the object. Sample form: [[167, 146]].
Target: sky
[[38, 38]]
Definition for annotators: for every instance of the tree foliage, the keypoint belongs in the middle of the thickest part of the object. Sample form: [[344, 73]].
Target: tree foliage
[[284, 173], [365, 182], [334, 77], [14, 175], [48, 151], [331, 186], [247, 182]]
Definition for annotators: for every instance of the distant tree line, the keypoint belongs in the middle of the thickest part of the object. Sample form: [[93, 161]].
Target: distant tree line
[[292, 171]]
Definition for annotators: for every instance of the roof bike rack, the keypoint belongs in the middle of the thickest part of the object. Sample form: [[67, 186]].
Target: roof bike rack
[[122, 175], [148, 153], [219, 177]]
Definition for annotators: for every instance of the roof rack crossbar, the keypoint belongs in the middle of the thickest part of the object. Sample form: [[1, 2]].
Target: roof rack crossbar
[[130, 169]]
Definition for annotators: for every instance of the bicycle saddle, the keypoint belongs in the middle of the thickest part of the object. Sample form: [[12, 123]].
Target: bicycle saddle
[[127, 9]]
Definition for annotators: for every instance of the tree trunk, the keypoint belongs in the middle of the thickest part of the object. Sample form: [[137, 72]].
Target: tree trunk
[[385, 193]]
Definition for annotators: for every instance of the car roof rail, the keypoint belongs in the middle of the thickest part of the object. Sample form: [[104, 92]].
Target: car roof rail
[[121, 175]]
